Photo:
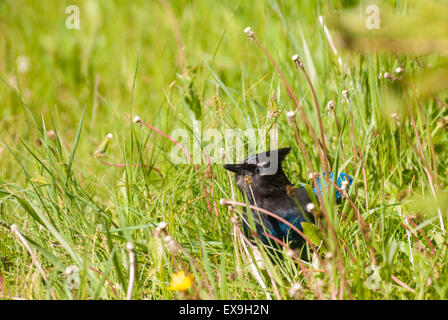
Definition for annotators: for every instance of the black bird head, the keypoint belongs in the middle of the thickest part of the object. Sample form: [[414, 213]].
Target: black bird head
[[261, 175]]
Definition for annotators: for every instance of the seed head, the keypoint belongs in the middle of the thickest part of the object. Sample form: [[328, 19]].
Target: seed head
[[310, 207], [290, 253], [395, 117], [51, 134], [23, 64], [171, 243], [130, 246], [12, 82], [162, 226], [161, 230], [249, 32], [274, 114], [222, 152], [297, 60], [314, 175], [296, 291], [137, 119], [70, 270]]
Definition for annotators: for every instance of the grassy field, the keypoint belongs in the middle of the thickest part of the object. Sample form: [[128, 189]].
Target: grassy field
[[82, 213]]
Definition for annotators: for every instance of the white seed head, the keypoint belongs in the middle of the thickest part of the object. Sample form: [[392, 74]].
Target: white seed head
[[295, 291], [296, 286], [290, 114], [14, 228], [398, 70], [137, 119], [130, 246], [297, 60], [395, 116], [162, 226], [172, 246], [313, 175], [310, 207], [70, 270], [23, 64], [387, 75], [51, 134], [170, 243], [222, 152], [290, 253], [249, 32], [330, 105], [12, 82], [222, 202], [109, 136]]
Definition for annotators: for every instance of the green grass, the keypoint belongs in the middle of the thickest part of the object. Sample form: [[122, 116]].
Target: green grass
[[170, 64]]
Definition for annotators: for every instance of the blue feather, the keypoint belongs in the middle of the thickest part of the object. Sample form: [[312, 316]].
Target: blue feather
[[283, 231], [341, 177]]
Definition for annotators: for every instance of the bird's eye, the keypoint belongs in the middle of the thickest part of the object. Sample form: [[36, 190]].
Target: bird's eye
[[257, 170]]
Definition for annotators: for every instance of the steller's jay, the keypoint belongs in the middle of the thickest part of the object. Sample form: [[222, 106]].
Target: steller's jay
[[263, 183]]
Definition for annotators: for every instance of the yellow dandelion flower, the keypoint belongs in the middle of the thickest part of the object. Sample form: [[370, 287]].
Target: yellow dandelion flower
[[181, 281]]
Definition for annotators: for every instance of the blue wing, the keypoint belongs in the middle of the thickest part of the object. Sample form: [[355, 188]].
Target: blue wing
[[341, 177]]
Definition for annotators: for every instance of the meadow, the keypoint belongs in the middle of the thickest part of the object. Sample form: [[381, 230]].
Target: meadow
[[93, 207]]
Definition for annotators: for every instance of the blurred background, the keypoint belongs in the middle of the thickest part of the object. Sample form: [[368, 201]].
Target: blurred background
[[136, 57]]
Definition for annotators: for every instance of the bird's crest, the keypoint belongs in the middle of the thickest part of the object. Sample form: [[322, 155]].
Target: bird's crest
[[267, 162]]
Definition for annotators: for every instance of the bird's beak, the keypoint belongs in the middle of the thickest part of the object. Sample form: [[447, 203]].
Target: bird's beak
[[233, 167]]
